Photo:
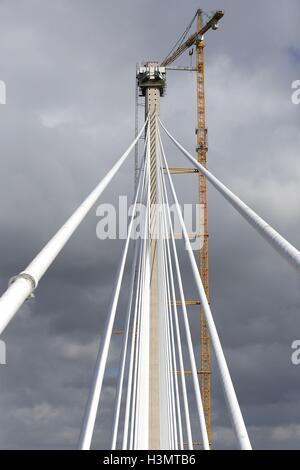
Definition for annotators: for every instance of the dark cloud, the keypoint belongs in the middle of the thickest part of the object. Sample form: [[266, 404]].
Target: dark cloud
[[69, 68]]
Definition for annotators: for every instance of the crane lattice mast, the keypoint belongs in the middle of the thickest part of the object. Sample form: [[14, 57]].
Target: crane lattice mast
[[197, 40], [201, 130]]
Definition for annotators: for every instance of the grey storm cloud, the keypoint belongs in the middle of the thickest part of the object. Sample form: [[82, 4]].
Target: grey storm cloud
[[69, 68]]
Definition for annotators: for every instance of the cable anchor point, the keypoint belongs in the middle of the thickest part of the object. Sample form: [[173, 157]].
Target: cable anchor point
[[27, 277]]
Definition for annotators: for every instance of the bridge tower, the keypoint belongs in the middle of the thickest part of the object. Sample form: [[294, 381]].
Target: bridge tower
[[151, 79]]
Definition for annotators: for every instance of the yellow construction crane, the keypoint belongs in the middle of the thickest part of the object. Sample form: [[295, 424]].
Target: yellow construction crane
[[197, 40]]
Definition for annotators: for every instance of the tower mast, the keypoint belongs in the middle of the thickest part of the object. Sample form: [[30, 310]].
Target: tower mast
[[151, 80]]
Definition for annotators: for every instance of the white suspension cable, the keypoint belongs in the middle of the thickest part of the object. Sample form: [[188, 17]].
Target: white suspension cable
[[131, 379], [135, 406], [175, 378], [141, 429], [123, 359], [165, 421], [164, 312], [172, 373], [25, 283], [124, 348], [282, 246], [132, 354], [138, 428], [95, 391], [233, 405], [186, 323], [174, 362], [172, 300], [177, 330], [133, 418]]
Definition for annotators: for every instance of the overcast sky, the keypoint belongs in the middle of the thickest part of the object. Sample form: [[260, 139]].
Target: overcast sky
[[69, 68]]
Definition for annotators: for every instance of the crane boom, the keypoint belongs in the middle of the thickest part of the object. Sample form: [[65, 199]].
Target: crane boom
[[211, 24]]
